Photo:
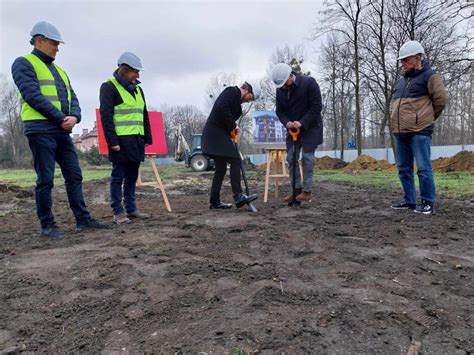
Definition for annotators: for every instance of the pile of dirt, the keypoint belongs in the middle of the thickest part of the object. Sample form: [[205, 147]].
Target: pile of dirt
[[463, 161], [18, 191], [329, 163], [365, 162]]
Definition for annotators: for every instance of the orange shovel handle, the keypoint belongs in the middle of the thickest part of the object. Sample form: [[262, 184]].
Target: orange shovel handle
[[234, 135], [294, 132]]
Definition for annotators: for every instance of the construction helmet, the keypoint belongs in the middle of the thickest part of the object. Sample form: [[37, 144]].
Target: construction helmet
[[254, 88], [409, 49], [47, 30], [131, 60], [280, 74]]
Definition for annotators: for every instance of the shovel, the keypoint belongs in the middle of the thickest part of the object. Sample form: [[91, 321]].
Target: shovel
[[235, 139], [294, 132]]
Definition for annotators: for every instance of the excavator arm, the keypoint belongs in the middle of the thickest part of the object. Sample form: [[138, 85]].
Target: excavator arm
[[182, 147]]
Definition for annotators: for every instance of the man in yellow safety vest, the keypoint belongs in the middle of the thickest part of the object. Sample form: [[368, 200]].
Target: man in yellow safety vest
[[127, 131], [49, 111]]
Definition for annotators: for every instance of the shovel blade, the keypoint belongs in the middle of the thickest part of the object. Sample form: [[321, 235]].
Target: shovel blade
[[251, 207]]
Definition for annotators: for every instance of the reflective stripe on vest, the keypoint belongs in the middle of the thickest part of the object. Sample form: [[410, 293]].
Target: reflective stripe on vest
[[128, 116], [47, 86]]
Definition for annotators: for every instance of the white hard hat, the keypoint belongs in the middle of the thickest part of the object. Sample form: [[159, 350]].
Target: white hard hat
[[131, 60], [47, 30], [254, 88], [409, 49], [280, 74]]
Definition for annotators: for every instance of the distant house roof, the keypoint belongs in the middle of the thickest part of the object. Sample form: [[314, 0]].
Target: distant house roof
[[86, 135], [91, 134]]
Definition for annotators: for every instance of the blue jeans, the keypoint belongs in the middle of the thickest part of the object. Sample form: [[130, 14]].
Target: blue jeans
[[47, 149], [308, 167], [125, 174], [417, 148]]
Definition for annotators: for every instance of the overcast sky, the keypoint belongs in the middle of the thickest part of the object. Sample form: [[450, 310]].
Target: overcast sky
[[182, 44]]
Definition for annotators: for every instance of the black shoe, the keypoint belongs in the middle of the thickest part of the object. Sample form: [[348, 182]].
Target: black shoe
[[221, 206], [92, 224], [402, 205], [52, 231], [424, 208], [244, 199]]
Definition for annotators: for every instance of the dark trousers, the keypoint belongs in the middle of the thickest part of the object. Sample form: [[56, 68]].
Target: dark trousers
[[122, 184], [221, 168], [48, 149]]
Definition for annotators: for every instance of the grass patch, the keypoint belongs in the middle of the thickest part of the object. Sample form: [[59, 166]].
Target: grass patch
[[27, 177], [453, 184]]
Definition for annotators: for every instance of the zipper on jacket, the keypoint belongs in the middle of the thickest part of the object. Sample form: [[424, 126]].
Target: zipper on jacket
[[400, 102], [416, 121]]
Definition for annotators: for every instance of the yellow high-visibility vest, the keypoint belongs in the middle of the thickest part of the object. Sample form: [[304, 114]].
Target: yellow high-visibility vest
[[47, 86], [128, 116]]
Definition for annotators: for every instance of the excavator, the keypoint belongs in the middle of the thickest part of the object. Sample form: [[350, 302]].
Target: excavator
[[193, 156]]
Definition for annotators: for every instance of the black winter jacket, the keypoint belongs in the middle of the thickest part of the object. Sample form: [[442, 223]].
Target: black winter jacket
[[227, 109], [132, 147], [25, 79], [302, 102]]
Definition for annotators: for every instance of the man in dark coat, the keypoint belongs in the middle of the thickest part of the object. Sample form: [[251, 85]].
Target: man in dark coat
[[298, 105], [49, 111], [127, 131], [217, 143]]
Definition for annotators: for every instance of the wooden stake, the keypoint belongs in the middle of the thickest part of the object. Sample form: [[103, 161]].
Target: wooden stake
[[158, 182]]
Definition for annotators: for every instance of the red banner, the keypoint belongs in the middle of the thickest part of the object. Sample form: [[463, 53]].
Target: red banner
[[157, 132]]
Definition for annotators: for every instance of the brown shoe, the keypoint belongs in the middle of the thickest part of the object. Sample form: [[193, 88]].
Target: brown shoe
[[291, 197], [304, 197], [137, 215]]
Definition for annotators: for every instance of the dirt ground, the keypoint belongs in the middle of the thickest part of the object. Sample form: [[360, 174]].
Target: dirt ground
[[342, 275]]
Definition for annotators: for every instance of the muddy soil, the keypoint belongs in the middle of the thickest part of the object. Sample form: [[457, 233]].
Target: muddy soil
[[344, 274]]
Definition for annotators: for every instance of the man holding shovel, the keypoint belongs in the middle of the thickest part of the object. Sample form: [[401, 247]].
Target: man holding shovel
[[217, 142], [298, 106]]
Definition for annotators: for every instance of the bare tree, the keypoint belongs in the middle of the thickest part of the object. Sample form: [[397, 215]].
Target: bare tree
[[379, 68], [294, 56], [380, 27], [345, 16], [444, 27], [337, 62], [216, 85], [10, 122], [192, 121]]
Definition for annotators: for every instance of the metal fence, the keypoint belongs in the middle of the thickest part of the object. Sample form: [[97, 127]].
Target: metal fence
[[350, 155]]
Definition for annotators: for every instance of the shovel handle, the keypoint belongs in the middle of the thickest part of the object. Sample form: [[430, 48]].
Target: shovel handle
[[234, 135], [294, 132]]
